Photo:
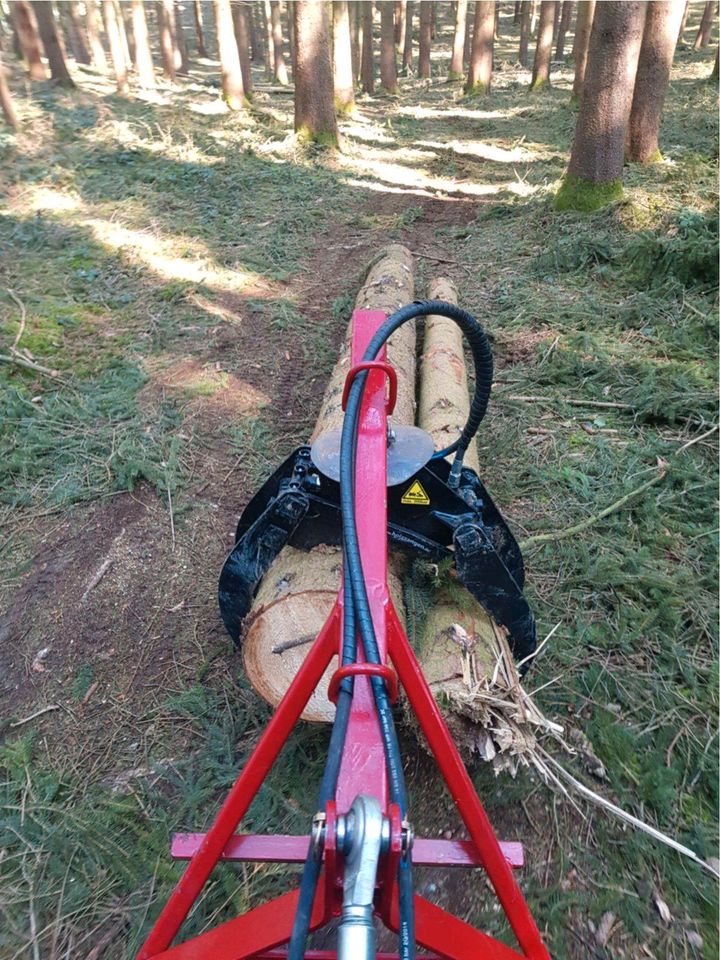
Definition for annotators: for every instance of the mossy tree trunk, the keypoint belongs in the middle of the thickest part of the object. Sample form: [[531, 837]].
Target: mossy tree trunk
[[279, 66], [241, 28], [344, 86], [566, 17], [314, 107], [367, 66], [703, 35], [231, 71], [388, 66], [651, 82], [456, 60], [199, 32], [6, 101], [143, 53], [117, 53], [97, 51], [583, 29], [424, 66], [166, 29], [595, 170], [543, 50], [481, 58], [525, 11], [52, 43], [407, 59], [29, 39]]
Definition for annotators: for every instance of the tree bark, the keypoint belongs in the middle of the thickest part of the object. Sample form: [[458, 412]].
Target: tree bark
[[6, 103], [231, 72], [269, 42], [344, 86], [524, 31], [400, 11], [241, 28], [166, 25], [355, 37], [117, 54], [52, 43], [651, 82], [314, 109], [199, 32], [256, 51], [424, 65], [97, 51], [124, 38], [367, 67], [456, 61], [469, 20], [407, 59], [481, 58], [388, 66], [567, 11], [583, 29], [683, 22], [279, 67], [594, 173], [516, 12], [716, 66], [29, 39], [543, 50], [182, 59], [291, 37], [143, 53], [703, 35], [78, 44]]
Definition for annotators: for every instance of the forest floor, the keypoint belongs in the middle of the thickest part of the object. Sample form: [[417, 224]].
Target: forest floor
[[187, 273]]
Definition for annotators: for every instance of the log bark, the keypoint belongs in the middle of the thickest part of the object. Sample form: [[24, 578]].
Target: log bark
[[481, 58], [566, 17], [199, 32], [367, 67], [543, 51], [6, 102], [298, 591], [281, 74], [143, 54], [583, 29], [52, 43], [424, 65], [703, 35], [117, 53], [456, 60], [524, 32], [388, 66], [97, 51], [314, 108], [29, 39], [594, 173], [241, 27], [344, 85], [651, 82], [408, 41], [232, 80]]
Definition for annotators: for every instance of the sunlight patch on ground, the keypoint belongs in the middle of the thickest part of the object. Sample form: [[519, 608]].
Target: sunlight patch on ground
[[399, 175], [209, 108], [483, 151], [206, 386], [458, 113], [40, 199]]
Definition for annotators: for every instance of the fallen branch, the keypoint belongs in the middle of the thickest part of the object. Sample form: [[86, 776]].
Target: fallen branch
[[602, 404], [38, 713], [31, 365], [23, 318]]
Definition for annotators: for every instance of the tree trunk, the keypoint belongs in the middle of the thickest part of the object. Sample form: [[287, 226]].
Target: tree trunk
[[481, 58], [199, 32], [433, 12], [97, 50], [143, 53], [683, 22], [269, 42], [166, 26], [408, 40], [703, 35], [314, 110], [231, 72], [256, 51], [524, 31], [424, 66], [78, 44], [543, 51], [8, 108], [182, 60], [594, 174], [716, 66], [291, 37], [29, 39], [124, 39], [567, 11], [400, 11], [388, 67], [516, 13], [342, 58], [456, 61], [367, 67], [355, 37], [297, 593], [279, 68], [14, 38], [117, 54], [651, 82], [556, 20], [241, 28], [52, 43], [583, 29]]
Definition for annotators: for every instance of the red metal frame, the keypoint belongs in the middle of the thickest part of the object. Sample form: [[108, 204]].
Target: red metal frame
[[260, 933]]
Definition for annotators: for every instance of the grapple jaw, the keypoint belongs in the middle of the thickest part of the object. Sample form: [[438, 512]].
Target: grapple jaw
[[300, 506]]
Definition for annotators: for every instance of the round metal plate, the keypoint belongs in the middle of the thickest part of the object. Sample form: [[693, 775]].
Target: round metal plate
[[410, 449]]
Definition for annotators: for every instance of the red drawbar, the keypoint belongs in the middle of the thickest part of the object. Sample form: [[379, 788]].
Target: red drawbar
[[262, 933]]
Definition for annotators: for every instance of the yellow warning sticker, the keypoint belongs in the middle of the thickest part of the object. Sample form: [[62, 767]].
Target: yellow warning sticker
[[415, 495]]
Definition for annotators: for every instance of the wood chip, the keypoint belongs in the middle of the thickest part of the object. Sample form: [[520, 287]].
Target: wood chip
[[605, 928]]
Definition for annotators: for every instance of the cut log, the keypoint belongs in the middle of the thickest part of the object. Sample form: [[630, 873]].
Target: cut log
[[297, 593]]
